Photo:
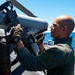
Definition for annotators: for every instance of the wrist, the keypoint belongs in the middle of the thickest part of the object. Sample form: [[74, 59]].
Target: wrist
[[39, 43], [15, 39], [19, 45]]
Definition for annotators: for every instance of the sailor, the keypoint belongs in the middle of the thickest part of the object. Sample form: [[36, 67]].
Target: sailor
[[57, 59]]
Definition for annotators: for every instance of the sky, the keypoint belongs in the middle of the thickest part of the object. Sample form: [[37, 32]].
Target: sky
[[48, 9]]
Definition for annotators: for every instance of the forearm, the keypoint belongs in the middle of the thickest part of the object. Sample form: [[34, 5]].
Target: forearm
[[41, 47], [19, 45]]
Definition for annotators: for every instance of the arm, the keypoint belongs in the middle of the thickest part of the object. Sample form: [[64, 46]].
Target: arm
[[37, 63], [41, 47], [47, 59], [39, 40], [19, 45]]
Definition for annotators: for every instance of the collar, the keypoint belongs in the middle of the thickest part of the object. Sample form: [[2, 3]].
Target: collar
[[67, 40]]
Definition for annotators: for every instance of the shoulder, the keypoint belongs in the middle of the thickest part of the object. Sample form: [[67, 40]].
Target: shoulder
[[57, 48]]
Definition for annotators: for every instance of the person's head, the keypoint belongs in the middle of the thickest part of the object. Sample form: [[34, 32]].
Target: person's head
[[62, 26]]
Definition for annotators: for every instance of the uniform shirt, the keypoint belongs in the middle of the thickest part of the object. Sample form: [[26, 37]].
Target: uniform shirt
[[57, 59]]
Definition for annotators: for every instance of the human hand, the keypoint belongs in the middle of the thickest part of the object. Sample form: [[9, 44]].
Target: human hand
[[40, 38], [16, 33]]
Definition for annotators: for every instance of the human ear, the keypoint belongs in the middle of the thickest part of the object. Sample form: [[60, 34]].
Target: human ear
[[65, 28]]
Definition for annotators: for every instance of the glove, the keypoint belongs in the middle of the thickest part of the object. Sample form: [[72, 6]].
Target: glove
[[16, 32], [40, 38]]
